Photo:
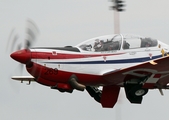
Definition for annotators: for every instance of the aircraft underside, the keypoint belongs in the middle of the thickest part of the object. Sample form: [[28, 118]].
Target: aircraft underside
[[135, 88]]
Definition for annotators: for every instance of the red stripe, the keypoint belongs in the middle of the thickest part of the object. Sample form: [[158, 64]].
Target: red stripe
[[49, 55]]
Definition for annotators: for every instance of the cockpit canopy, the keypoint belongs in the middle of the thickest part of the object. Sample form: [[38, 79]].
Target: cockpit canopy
[[117, 42]]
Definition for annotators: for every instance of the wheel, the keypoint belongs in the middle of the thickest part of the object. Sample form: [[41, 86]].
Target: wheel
[[134, 99], [138, 91]]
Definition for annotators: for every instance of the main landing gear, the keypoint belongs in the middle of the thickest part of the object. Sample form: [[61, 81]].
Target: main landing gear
[[134, 91]]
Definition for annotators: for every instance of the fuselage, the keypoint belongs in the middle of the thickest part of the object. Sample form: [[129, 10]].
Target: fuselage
[[90, 59]]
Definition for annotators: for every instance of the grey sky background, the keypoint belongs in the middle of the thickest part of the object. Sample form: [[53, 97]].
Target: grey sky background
[[69, 22]]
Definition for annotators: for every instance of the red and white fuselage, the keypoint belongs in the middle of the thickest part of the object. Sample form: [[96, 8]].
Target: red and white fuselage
[[90, 60]]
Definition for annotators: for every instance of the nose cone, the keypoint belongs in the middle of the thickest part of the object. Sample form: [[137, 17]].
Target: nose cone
[[22, 56]]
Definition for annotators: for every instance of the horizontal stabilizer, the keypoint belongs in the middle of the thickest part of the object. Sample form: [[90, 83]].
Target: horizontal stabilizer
[[23, 78]]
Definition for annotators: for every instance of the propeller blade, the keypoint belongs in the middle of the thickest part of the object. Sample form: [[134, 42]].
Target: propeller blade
[[19, 46], [14, 42], [31, 33], [10, 35]]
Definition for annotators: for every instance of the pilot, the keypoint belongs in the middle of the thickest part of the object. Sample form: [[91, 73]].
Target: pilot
[[148, 44], [88, 47], [97, 45], [126, 45]]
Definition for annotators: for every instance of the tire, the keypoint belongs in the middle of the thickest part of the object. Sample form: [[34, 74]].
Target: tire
[[138, 91]]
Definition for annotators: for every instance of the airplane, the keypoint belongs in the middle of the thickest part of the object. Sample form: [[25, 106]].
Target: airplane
[[116, 61]]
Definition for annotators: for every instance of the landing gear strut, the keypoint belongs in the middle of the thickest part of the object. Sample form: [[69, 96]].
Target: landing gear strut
[[94, 92]]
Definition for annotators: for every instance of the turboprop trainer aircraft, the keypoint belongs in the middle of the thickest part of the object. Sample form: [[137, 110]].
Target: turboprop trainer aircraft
[[112, 61]]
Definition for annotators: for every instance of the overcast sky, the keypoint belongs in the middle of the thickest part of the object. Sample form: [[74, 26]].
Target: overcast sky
[[69, 22]]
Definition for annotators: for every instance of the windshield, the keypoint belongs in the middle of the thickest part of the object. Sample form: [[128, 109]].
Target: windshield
[[116, 42], [133, 41], [104, 43]]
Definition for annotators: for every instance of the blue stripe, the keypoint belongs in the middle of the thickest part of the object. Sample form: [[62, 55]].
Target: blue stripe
[[135, 60]]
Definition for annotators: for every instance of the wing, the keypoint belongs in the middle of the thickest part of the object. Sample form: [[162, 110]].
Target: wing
[[136, 80], [155, 71], [24, 78]]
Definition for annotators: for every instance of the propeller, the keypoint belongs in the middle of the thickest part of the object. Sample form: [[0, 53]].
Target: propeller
[[15, 43]]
